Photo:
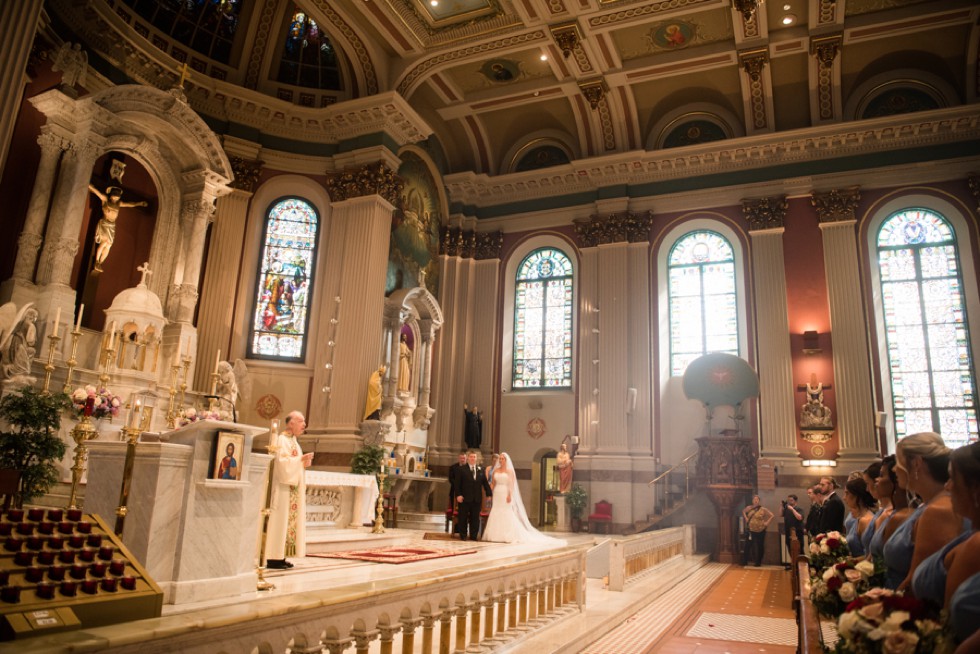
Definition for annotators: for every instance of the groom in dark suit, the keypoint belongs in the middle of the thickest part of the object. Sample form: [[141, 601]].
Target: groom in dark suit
[[469, 483]]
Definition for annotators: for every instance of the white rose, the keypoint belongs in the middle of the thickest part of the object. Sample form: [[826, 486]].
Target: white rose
[[79, 395], [847, 592], [847, 624], [115, 402], [852, 575], [824, 549], [867, 568], [900, 642], [813, 547], [829, 573], [90, 390], [191, 412]]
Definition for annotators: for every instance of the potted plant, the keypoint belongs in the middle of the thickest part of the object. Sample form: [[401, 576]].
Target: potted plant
[[576, 499], [367, 461], [29, 440]]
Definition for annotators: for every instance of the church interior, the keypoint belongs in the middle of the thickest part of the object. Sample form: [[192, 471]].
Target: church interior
[[695, 250]]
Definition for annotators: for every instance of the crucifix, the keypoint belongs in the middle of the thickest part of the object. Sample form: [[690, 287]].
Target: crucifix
[[185, 73], [146, 272]]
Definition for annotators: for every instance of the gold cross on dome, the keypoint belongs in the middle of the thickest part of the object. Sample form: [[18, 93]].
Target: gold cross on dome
[[185, 73]]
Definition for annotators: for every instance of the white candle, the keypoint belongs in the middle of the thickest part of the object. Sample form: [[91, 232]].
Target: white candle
[[217, 358], [137, 410], [275, 426], [78, 322], [112, 332], [57, 319]]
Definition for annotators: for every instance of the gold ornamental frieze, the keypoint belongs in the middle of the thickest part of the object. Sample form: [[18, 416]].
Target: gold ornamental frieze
[[372, 179]]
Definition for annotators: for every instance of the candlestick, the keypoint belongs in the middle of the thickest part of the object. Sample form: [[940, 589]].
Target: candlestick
[[217, 360], [72, 361], [171, 412], [83, 431], [183, 380], [132, 436], [78, 321], [267, 509], [379, 527], [57, 319], [135, 412], [49, 366]]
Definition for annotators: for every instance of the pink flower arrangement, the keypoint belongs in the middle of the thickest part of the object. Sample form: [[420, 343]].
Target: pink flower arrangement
[[191, 414], [95, 402], [882, 620]]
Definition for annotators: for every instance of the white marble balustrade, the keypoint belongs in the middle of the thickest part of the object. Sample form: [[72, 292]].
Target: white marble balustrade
[[631, 556]]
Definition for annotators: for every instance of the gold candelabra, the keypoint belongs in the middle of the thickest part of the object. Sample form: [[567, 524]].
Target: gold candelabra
[[172, 413], [82, 432], [214, 391], [261, 583], [186, 361], [379, 521], [72, 361], [109, 354], [49, 366], [132, 434]]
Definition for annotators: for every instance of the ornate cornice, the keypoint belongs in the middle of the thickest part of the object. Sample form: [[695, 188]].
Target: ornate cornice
[[765, 213], [836, 205], [469, 244], [373, 179], [488, 245], [614, 228], [246, 173]]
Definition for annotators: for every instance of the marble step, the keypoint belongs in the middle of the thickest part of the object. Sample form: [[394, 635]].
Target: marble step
[[422, 521]]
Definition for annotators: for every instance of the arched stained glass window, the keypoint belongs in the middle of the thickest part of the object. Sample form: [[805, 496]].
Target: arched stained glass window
[[207, 26], [543, 321], [932, 382], [702, 300], [308, 57], [282, 295]]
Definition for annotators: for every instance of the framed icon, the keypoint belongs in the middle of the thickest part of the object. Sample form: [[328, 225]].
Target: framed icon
[[226, 461]]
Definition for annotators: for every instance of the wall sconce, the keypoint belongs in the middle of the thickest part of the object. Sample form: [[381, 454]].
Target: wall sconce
[[811, 342]]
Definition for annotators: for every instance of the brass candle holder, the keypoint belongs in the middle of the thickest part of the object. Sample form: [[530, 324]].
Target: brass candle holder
[[109, 354], [49, 366], [72, 361], [132, 435], [379, 521], [214, 391], [172, 413], [186, 364], [261, 583], [82, 432]]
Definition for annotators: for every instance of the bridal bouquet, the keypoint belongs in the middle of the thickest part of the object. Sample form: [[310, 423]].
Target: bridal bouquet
[[841, 583], [885, 621], [98, 403], [827, 550], [191, 414]]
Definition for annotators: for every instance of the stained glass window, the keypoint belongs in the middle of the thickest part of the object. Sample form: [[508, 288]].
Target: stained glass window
[[308, 58], [207, 26], [932, 382], [702, 300], [282, 295], [543, 321]]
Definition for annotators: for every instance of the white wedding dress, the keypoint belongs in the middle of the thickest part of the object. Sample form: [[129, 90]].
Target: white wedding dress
[[508, 521]]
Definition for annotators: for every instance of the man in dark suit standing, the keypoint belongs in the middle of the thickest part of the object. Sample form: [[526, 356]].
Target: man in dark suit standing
[[469, 483], [813, 516], [832, 510], [451, 475]]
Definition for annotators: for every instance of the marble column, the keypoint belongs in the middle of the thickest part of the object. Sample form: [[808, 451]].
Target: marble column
[[588, 348], [614, 356], [777, 421], [29, 243], [217, 309], [639, 411], [195, 214], [18, 24], [849, 329]]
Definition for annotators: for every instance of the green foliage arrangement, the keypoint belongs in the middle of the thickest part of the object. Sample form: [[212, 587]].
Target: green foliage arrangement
[[576, 499], [29, 441], [367, 461]]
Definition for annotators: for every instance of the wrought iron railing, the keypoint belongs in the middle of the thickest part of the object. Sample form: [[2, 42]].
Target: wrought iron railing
[[665, 497]]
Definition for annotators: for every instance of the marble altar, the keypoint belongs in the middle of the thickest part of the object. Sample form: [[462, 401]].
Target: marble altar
[[340, 498]]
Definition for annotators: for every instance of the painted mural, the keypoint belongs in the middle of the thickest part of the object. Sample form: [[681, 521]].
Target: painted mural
[[415, 230]]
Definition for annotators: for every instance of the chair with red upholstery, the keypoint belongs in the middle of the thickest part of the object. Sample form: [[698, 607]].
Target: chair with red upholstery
[[601, 516]]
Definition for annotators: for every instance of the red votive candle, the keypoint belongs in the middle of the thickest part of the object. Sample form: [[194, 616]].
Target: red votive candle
[[66, 556], [105, 552], [78, 571], [34, 574], [98, 569], [13, 544], [45, 590], [46, 557], [128, 583], [117, 566], [86, 554], [23, 558], [4, 577], [6, 528], [109, 585], [46, 528], [56, 572], [25, 528], [56, 542], [65, 527], [74, 514], [35, 515], [15, 515], [84, 527], [69, 588], [56, 514], [93, 540], [76, 540], [90, 586], [10, 594], [35, 543]]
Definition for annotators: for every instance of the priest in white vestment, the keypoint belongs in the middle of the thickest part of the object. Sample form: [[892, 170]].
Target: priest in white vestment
[[286, 535]]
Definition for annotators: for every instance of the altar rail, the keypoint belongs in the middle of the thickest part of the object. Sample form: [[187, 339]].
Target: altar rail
[[478, 608], [632, 555], [807, 619]]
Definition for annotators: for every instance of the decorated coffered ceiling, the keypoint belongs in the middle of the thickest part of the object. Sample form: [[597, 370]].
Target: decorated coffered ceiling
[[508, 85]]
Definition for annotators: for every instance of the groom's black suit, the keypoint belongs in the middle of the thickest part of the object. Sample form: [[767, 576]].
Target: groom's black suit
[[471, 489]]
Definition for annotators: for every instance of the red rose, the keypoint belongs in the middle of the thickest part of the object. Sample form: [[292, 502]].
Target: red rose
[[834, 583], [843, 565], [833, 543], [855, 605]]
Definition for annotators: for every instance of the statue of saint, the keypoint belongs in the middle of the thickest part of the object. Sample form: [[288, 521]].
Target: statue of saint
[[404, 365], [105, 231], [815, 414], [18, 337], [565, 469], [472, 427], [372, 406], [72, 61]]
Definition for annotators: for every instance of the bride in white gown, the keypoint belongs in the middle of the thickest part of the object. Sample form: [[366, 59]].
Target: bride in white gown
[[508, 521]]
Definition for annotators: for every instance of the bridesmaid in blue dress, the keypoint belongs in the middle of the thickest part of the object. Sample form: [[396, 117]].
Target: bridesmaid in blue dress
[[923, 468], [895, 507], [870, 476], [860, 502], [963, 560]]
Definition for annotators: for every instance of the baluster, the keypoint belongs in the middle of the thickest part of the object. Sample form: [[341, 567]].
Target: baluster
[[501, 613], [362, 640], [512, 610], [543, 599], [488, 604], [445, 631], [409, 625], [337, 646], [461, 629], [475, 610], [522, 607], [552, 593], [388, 637], [532, 603]]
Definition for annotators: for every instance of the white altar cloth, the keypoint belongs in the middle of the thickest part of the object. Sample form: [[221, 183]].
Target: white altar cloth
[[323, 507]]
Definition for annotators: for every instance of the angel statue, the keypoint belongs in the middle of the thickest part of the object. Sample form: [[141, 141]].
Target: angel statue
[[234, 382], [18, 336]]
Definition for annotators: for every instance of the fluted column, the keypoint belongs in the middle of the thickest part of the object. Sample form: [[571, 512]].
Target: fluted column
[[849, 330], [218, 304], [368, 220], [18, 24], [613, 337], [30, 239], [67, 208], [195, 214], [766, 218], [428, 336]]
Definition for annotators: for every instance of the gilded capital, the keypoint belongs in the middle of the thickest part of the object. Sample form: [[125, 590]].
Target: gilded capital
[[836, 205], [246, 173], [753, 62], [614, 228], [488, 245], [765, 213], [974, 181], [372, 179]]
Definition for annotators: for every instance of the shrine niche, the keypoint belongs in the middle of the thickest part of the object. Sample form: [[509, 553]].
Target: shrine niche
[[415, 228], [816, 418]]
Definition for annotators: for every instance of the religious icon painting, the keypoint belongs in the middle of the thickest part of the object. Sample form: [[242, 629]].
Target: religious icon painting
[[227, 456]]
